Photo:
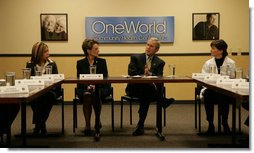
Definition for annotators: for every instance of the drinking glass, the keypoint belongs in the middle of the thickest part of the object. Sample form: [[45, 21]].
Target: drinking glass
[[238, 73], [212, 69], [48, 69], [26, 73], [92, 69], [223, 70], [248, 75], [10, 78], [37, 71], [172, 70]]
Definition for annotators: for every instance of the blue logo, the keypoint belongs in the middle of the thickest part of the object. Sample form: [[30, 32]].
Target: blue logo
[[130, 29]]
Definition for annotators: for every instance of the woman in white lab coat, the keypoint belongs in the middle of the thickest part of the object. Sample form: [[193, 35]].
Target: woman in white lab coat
[[219, 53]]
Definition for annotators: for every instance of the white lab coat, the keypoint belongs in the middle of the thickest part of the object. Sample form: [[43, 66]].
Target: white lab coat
[[227, 61], [205, 69]]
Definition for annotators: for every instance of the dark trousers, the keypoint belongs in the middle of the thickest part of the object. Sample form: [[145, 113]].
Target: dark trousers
[[41, 108], [210, 98], [8, 113], [97, 108], [148, 93]]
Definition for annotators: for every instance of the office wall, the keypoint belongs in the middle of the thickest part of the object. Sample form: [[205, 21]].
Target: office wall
[[20, 29], [20, 23]]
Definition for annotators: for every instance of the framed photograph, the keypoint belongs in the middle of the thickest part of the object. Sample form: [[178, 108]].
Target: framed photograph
[[54, 27], [205, 26]]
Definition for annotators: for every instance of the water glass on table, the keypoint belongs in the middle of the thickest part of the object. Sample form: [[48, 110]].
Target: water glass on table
[[223, 70], [26, 73], [10, 78], [48, 69], [212, 69], [172, 70], [92, 69], [239, 73], [37, 71]]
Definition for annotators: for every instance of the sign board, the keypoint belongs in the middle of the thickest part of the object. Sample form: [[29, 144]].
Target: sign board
[[130, 29], [91, 76]]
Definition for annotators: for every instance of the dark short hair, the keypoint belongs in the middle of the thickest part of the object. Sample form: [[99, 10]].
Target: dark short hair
[[88, 44], [220, 45], [208, 15]]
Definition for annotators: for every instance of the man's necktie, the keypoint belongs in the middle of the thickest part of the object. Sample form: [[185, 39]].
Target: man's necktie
[[148, 63]]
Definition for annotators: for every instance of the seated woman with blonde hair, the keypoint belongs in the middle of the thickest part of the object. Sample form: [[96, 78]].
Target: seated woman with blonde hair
[[42, 106]]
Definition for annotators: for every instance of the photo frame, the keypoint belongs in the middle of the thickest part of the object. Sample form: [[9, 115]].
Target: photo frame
[[205, 26], [54, 27]]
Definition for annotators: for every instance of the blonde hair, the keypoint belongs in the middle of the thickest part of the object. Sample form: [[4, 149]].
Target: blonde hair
[[38, 51]]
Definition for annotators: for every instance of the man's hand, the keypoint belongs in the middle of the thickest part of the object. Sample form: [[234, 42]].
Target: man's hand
[[91, 88], [146, 71]]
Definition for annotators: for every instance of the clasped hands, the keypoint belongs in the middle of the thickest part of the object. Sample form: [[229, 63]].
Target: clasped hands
[[91, 88], [146, 71]]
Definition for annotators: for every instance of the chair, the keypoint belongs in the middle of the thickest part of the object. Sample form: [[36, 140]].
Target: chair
[[198, 102], [60, 100], [8, 113], [132, 100], [8, 137], [198, 110], [76, 100]]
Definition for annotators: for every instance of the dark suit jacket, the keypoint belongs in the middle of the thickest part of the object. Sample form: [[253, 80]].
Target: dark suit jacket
[[137, 64], [136, 67], [203, 32], [101, 68]]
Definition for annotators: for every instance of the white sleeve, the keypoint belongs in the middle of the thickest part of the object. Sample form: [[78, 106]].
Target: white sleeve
[[205, 68]]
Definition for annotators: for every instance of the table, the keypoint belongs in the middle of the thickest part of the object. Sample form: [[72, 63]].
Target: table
[[116, 79], [239, 95], [23, 99]]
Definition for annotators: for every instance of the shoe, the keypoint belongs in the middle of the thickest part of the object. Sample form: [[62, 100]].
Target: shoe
[[167, 102], [97, 136], [139, 131], [226, 129], [211, 130], [88, 132]]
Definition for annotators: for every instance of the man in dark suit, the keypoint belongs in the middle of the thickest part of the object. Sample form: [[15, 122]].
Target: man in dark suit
[[146, 64]]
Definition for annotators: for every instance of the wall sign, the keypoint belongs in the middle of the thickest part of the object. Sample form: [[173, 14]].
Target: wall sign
[[130, 29]]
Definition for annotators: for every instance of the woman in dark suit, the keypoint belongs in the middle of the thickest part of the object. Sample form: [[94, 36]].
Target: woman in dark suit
[[42, 106], [92, 95]]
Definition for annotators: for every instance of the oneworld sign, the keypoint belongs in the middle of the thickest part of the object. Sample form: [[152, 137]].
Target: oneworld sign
[[130, 29]]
